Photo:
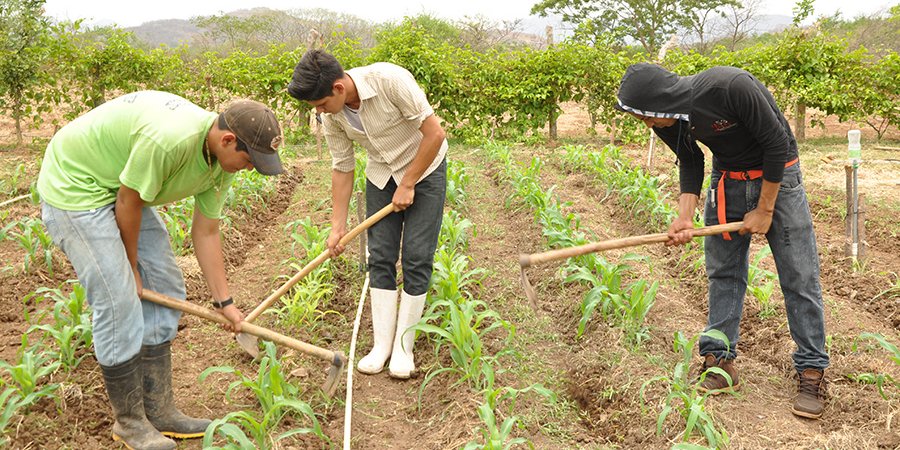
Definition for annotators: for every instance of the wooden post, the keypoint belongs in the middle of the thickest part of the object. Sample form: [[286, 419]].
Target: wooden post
[[848, 229], [861, 228]]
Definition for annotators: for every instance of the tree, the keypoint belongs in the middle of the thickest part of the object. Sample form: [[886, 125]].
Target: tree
[[702, 20], [481, 33], [740, 20], [649, 22], [23, 34]]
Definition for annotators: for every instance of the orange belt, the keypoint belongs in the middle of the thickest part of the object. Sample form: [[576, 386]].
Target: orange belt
[[736, 175]]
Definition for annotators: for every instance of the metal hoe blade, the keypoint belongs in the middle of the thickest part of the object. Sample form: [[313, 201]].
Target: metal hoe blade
[[333, 380], [249, 343], [529, 290]]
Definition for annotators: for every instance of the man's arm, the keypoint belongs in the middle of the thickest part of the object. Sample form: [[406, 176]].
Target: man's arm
[[759, 220], [208, 249], [750, 101], [128, 217], [341, 188], [680, 229], [432, 138]]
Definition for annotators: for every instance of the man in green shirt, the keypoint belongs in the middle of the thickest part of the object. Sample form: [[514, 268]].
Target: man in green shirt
[[101, 175]]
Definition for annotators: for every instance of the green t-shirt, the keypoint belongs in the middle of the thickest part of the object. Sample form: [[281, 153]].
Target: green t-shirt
[[150, 141]]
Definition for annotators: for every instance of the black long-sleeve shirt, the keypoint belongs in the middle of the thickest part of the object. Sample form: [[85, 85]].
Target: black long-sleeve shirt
[[734, 115]]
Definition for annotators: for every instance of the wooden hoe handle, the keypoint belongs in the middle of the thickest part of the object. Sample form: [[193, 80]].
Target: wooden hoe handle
[[310, 266], [246, 327], [569, 252]]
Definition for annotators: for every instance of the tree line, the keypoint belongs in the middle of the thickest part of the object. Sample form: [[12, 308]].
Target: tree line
[[494, 90]]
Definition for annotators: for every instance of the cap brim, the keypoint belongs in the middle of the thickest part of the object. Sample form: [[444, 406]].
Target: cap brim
[[619, 107], [266, 163]]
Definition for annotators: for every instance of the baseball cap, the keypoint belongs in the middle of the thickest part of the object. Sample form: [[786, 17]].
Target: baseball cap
[[256, 125]]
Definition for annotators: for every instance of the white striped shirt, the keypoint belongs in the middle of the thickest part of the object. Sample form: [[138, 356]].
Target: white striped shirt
[[392, 109]]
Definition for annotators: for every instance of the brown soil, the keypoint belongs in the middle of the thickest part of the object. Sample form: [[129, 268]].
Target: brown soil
[[597, 378]]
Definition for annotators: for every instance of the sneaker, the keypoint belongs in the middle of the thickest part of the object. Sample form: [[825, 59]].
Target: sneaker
[[810, 399], [715, 383]]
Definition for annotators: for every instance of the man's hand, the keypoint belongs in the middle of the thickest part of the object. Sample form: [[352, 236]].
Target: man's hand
[[233, 314], [334, 240], [757, 221], [681, 231], [403, 197]]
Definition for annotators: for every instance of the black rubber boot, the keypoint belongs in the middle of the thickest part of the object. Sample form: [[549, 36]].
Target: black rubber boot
[[159, 400], [126, 395]]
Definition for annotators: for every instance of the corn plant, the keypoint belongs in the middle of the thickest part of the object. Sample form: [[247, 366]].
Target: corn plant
[[249, 189], [71, 329], [461, 326], [499, 437], [457, 179], [10, 403], [276, 397], [231, 428], [452, 277], [10, 186], [683, 395], [178, 218], [269, 385], [455, 230], [761, 283], [359, 173], [605, 282], [455, 320], [301, 306], [27, 374], [637, 305], [878, 379], [891, 292]]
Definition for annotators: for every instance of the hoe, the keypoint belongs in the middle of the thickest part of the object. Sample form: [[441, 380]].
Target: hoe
[[564, 253]]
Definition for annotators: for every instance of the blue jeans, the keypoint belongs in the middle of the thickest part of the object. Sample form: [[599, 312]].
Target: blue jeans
[[417, 228], [121, 322], [793, 245]]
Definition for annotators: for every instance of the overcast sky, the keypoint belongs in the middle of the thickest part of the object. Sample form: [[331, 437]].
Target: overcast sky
[[127, 13]]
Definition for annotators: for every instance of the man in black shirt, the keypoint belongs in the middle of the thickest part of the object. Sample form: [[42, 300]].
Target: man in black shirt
[[756, 178]]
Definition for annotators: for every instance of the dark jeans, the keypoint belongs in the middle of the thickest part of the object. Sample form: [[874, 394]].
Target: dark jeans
[[416, 228], [793, 244]]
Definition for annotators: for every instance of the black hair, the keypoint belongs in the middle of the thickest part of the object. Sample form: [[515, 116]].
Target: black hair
[[223, 125], [314, 76]]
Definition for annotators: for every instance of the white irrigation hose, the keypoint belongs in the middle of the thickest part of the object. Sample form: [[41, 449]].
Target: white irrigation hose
[[11, 201], [348, 403]]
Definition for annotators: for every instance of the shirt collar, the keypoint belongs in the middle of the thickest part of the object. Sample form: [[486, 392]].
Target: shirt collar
[[363, 88]]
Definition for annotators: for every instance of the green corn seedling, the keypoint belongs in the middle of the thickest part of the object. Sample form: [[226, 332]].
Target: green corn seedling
[[457, 179], [761, 283], [880, 380], [231, 428], [28, 242], [270, 386], [683, 395], [32, 366]]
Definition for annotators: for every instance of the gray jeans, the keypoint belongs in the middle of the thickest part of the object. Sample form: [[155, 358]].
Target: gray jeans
[[415, 229], [121, 321], [793, 244]]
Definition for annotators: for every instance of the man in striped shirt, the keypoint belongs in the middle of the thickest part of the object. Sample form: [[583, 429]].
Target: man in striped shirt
[[383, 109]]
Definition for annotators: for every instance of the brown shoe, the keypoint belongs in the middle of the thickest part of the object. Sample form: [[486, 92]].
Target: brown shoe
[[714, 383], [810, 399]]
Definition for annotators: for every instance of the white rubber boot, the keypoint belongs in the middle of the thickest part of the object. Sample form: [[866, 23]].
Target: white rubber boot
[[410, 312], [384, 322]]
